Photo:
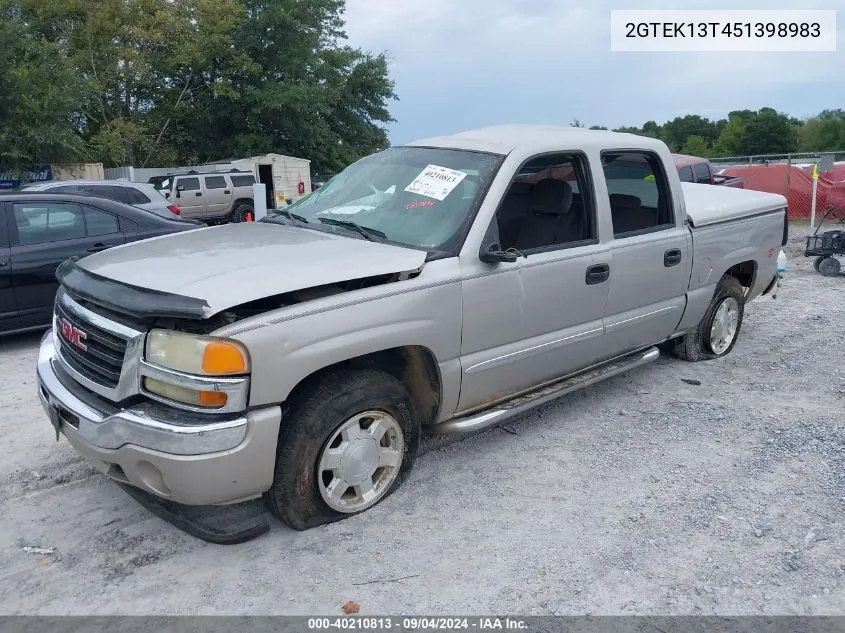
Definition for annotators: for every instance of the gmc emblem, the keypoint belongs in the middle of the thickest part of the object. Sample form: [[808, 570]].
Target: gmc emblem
[[73, 334]]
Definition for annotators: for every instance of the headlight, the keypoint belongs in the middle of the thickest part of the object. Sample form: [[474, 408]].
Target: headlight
[[202, 372], [194, 354]]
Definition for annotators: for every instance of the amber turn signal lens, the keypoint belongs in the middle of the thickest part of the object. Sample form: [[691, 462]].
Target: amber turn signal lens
[[212, 398], [221, 358]]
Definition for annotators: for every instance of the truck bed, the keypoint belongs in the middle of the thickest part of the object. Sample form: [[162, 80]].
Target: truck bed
[[706, 204]]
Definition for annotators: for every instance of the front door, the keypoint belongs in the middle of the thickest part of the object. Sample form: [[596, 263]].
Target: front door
[[45, 235], [650, 260], [541, 317]]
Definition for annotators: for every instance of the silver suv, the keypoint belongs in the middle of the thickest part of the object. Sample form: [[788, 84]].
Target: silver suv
[[210, 197], [138, 194]]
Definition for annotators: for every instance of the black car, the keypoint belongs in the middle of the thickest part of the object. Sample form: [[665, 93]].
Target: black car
[[38, 231]]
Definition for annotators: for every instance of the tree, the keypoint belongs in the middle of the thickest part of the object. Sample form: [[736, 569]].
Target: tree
[[40, 96], [677, 132], [696, 146], [576, 123], [768, 132], [309, 95], [728, 142], [825, 132], [597, 127]]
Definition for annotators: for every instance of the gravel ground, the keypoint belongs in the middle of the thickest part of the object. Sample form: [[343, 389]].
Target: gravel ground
[[645, 494]]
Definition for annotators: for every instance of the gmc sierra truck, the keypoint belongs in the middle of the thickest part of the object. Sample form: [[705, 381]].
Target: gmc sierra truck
[[442, 286]]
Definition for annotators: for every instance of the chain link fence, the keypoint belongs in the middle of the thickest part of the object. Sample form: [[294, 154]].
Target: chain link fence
[[791, 175]]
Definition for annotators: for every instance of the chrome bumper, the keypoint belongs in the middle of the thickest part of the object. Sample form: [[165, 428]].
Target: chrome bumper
[[159, 449], [111, 428]]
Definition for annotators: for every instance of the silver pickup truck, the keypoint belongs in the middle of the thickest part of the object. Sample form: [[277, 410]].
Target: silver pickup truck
[[442, 286]]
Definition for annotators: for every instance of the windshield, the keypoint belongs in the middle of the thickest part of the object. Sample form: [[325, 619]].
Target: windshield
[[159, 182], [414, 196]]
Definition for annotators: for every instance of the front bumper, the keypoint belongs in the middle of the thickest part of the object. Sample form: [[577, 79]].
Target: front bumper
[[177, 456]]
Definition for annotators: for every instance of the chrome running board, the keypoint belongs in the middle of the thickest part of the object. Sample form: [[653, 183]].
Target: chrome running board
[[473, 422]]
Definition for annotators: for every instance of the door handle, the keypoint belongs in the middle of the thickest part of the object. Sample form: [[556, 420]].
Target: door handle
[[672, 257], [226, 191], [3, 264], [597, 274], [198, 194], [99, 246]]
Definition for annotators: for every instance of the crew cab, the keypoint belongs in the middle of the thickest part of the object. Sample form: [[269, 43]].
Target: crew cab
[[442, 286], [700, 170]]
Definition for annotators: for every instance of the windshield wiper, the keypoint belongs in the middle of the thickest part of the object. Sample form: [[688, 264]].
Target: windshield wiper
[[365, 231], [291, 216]]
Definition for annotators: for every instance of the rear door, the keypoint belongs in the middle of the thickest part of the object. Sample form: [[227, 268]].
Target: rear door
[[218, 195], [43, 235], [190, 197], [8, 306], [649, 249]]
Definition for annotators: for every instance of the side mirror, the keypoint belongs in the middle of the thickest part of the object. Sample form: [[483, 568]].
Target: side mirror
[[494, 254]]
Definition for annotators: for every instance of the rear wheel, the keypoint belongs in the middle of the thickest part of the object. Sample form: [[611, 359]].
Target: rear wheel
[[239, 214], [829, 267], [717, 332], [818, 260], [350, 441]]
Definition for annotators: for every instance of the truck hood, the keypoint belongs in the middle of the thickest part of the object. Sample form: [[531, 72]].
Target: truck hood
[[221, 267]]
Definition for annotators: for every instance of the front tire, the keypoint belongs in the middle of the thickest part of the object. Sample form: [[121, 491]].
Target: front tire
[[350, 441], [717, 332]]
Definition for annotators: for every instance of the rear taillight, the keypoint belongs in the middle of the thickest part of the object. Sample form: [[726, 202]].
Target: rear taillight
[[175, 209]]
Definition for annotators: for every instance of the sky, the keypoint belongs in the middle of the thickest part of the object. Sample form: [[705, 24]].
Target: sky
[[463, 64]]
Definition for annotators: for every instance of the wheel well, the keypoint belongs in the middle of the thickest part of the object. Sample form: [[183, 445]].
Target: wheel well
[[242, 201], [744, 273], [414, 366]]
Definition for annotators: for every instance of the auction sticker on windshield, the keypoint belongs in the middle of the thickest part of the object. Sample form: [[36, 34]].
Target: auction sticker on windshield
[[436, 182]]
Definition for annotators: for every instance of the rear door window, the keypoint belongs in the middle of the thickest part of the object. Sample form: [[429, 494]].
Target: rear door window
[[685, 173], [100, 223], [702, 172], [110, 192], [215, 182]]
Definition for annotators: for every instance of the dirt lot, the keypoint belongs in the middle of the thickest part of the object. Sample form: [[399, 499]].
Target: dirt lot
[[646, 494]]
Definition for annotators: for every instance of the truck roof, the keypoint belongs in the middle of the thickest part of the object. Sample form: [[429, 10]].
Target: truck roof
[[503, 139], [682, 160]]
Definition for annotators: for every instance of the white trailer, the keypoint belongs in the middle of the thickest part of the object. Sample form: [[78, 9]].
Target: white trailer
[[285, 178]]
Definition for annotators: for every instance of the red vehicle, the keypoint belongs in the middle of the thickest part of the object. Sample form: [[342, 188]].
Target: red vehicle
[[695, 169]]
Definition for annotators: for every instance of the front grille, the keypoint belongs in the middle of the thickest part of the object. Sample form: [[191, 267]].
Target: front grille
[[102, 359]]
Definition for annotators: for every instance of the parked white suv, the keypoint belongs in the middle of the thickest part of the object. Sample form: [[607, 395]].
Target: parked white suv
[[138, 194], [211, 197]]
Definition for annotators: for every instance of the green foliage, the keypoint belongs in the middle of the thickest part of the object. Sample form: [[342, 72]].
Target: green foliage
[[146, 82], [696, 146], [744, 132], [39, 97]]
